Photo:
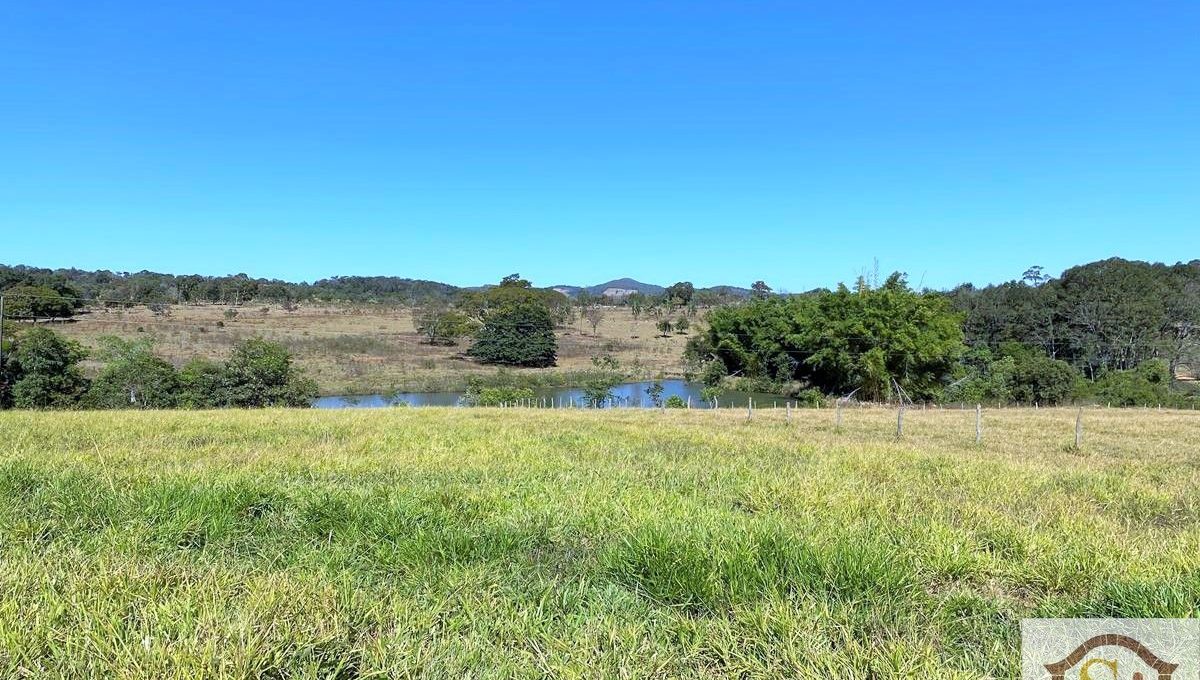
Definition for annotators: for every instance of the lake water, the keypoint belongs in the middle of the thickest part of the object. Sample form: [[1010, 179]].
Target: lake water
[[632, 394]]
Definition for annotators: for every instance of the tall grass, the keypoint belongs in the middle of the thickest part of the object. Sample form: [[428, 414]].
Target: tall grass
[[487, 543]]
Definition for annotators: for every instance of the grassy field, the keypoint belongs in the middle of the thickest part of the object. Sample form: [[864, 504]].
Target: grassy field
[[373, 348], [443, 543]]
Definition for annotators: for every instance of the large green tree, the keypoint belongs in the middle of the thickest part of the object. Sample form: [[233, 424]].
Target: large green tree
[[869, 340], [45, 370], [517, 334], [516, 325], [36, 302]]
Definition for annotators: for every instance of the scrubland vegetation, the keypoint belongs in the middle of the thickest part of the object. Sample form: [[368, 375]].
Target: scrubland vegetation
[[487, 543], [1112, 332]]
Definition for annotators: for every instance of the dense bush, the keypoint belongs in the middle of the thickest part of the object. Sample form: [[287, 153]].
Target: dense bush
[[1147, 385], [261, 373], [868, 339], [520, 333], [133, 376], [41, 370], [1016, 373], [44, 370]]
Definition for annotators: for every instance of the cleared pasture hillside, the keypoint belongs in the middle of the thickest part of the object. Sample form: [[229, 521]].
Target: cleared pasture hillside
[[367, 349]]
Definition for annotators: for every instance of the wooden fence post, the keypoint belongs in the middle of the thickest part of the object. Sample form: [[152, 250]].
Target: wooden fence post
[[978, 423], [900, 421], [1079, 428]]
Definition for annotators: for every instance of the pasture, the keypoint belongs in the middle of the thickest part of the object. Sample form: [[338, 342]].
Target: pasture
[[367, 349], [485, 543]]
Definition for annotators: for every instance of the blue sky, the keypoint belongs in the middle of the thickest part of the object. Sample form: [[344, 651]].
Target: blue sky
[[719, 142]]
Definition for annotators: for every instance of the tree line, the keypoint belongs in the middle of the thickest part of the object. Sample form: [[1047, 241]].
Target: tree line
[[58, 292], [1114, 331]]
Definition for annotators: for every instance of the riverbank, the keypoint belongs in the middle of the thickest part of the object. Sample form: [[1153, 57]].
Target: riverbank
[[629, 394]]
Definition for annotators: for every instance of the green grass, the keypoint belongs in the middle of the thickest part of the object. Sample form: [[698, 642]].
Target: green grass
[[506, 543]]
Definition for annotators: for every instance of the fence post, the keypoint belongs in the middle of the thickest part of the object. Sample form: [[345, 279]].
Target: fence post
[[837, 418], [900, 421], [788, 406], [978, 423], [1079, 428], [689, 404], [749, 408]]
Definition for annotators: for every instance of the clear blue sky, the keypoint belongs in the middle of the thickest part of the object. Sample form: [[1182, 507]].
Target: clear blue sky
[[720, 142]]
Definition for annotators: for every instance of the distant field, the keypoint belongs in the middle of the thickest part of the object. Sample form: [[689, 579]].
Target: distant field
[[457, 543], [368, 349]]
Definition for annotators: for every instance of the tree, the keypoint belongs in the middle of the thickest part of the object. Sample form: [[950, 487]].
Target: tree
[[1034, 276], [594, 316], [260, 373], [133, 377], [441, 325], [36, 302], [664, 327], [682, 325], [760, 290], [45, 370], [597, 390], [519, 334], [637, 303], [681, 293], [655, 392]]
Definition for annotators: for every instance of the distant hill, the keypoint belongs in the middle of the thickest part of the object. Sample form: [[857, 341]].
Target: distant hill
[[626, 286], [614, 288]]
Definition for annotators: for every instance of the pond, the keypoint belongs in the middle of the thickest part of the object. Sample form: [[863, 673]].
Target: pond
[[625, 395]]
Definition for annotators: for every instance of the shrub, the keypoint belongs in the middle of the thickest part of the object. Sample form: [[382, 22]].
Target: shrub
[[133, 377], [809, 398], [675, 401], [1147, 385], [260, 373], [496, 396], [597, 390]]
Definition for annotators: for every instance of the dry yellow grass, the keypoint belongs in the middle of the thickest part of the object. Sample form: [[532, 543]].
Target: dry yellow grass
[[370, 348]]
